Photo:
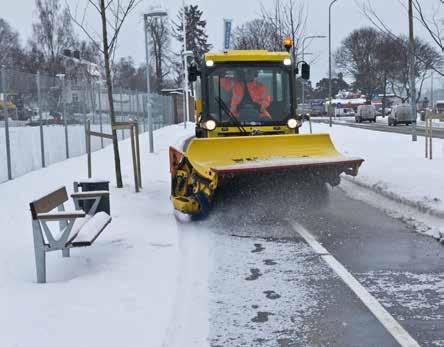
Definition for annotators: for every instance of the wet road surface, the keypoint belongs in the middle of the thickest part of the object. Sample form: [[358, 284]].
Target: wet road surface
[[268, 287]]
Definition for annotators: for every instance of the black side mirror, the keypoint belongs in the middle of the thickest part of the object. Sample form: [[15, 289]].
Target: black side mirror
[[305, 71], [193, 72]]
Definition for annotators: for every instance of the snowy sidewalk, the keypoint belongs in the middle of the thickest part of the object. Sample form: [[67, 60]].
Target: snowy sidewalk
[[120, 291]]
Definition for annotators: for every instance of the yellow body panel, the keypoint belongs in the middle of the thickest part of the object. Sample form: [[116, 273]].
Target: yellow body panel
[[240, 56], [211, 155]]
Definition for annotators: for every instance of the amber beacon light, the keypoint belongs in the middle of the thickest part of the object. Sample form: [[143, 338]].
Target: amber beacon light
[[288, 43]]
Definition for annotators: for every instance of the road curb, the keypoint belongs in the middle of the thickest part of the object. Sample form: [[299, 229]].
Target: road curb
[[399, 199]]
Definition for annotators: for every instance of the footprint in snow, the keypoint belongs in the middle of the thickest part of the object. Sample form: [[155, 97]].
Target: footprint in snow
[[261, 317], [271, 294], [255, 274], [258, 248]]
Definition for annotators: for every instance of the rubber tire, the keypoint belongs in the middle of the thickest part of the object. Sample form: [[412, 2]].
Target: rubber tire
[[205, 207]]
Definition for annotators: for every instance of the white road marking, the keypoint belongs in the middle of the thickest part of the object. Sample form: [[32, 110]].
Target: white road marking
[[389, 323]]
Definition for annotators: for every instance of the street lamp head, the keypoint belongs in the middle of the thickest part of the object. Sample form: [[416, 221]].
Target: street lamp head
[[156, 13]]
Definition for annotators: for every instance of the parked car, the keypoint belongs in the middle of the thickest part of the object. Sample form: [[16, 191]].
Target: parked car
[[401, 114], [344, 112], [365, 113]]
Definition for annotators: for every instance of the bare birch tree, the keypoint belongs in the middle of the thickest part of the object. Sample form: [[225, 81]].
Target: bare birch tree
[[289, 18], [433, 25], [113, 14]]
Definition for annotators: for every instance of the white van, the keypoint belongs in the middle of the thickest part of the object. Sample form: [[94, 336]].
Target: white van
[[401, 114], [365, 113], [344, 112]]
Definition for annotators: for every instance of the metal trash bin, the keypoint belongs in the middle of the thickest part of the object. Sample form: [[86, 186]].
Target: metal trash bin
[[93, 185]]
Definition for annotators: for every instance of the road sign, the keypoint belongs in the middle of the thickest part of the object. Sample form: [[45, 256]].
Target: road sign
[[227, 33]]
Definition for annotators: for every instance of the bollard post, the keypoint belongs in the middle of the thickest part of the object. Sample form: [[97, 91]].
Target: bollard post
[[39, 103], [6, 116]]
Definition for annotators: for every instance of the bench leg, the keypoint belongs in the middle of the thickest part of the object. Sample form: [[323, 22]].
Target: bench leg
[[40, 264], [39, 252], [65, 252]]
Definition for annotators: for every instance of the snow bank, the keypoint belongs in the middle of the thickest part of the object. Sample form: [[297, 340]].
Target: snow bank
[[394, 165], [119, 292]]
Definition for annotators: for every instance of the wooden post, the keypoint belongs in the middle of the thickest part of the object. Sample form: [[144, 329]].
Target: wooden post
[[431, 137], [426, 130], [139, 170], [88, 147], [133, 151]]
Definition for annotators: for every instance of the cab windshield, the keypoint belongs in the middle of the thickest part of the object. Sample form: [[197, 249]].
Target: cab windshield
[[253, 94]]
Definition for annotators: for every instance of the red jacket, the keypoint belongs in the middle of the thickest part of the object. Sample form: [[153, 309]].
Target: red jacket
[[258, 92]]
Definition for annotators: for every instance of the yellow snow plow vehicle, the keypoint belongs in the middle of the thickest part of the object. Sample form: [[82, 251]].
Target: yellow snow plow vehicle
[[247, 123]]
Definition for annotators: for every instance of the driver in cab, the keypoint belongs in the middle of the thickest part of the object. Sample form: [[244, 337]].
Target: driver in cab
[[246, 89]]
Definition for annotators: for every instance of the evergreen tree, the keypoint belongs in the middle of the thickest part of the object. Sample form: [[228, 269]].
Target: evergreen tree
[[197, 38]]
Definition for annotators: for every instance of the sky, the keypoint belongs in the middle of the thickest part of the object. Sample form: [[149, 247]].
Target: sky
[[346, 16]]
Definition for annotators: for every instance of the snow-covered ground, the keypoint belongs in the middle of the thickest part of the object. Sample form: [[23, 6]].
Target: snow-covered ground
[[119, 292], [143, 279]]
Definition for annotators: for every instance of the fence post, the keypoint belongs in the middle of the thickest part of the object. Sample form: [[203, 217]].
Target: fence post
[[65, 121], [121, 113], [137, 105], [144, 112], [99, 90], [39, 103], [6, 116]]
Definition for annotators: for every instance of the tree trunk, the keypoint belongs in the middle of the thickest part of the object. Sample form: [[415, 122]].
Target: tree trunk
[[110, 95]]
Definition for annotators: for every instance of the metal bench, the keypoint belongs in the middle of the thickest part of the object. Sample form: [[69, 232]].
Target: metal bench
[[76, 228]]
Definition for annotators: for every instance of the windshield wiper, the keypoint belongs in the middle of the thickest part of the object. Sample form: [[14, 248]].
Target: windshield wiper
[[225, 108]]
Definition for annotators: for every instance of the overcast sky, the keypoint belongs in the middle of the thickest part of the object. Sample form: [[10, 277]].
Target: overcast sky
[[346, 16]]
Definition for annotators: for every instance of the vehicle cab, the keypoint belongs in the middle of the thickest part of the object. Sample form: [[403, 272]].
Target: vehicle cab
[[246, 93]]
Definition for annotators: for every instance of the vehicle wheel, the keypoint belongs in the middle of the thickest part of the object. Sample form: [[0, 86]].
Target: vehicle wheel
[[374, 120], [204, 206]]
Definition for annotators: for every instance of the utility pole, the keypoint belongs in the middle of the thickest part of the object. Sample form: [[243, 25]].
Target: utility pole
[[329, 61], [412, 70]]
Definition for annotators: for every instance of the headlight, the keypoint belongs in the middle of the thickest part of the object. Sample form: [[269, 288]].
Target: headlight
[[210, 63], [287, 61], [210, 124], [292, 123]]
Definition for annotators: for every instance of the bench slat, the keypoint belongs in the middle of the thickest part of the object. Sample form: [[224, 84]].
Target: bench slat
[[55, 216], [48, 202], [90, 194], [87, 232]]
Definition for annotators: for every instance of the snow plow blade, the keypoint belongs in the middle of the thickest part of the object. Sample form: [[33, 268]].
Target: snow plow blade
[[196, 173]]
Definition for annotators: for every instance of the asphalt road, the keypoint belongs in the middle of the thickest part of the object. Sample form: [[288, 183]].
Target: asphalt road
[[269, 287], [400, 129]]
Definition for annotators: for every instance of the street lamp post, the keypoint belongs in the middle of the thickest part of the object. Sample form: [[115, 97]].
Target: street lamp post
[[303, 58], [146, 16], [184, 23], [412, 71], [61, 76], [329, 60]]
